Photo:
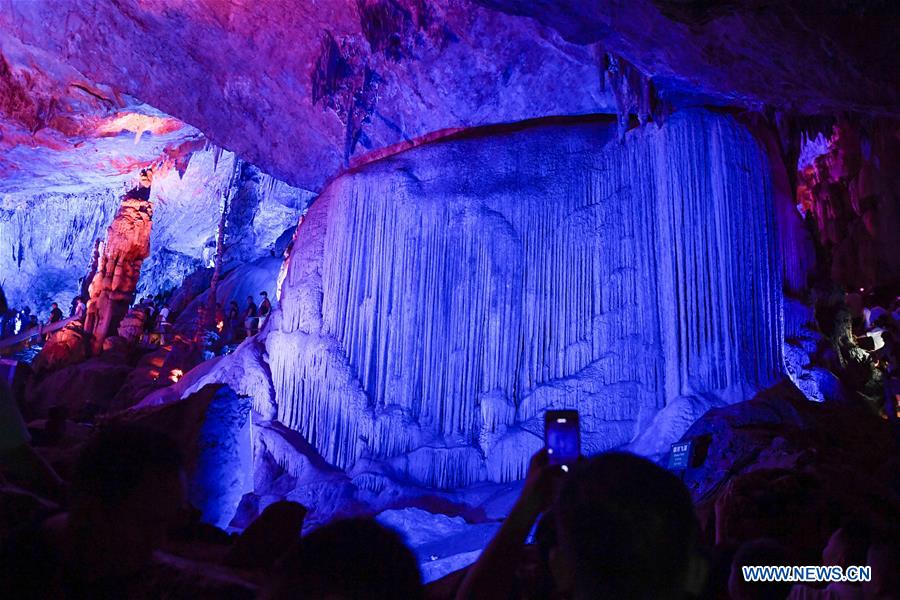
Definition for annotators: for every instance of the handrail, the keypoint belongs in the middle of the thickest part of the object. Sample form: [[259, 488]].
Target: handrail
[[33, 332]]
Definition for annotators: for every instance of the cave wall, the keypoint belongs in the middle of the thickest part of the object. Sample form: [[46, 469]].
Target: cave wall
[[302, 88], [70, 147], [793, 55], [436, 302], [47, 239], [188, 206], [46, 243]]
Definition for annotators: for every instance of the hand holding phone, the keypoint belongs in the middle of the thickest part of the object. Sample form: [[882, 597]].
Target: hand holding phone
[[562, 437]]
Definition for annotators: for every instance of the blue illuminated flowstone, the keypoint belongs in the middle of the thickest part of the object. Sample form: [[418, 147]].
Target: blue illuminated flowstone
[[435, 303]]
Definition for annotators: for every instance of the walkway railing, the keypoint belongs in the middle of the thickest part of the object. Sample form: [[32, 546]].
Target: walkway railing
[[40, 330]]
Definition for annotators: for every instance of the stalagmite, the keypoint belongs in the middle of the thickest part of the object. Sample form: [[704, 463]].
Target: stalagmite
[[127, 245]]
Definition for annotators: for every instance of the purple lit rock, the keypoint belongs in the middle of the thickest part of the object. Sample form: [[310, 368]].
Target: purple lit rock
[[85, 389], [70, 148], [55, 232], [301, 89], [212, 427], [782, 467]]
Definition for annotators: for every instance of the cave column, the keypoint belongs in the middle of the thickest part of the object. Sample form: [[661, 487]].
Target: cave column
[[127, 245]]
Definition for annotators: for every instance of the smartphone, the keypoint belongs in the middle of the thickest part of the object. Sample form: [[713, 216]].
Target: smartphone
[[562, 437]]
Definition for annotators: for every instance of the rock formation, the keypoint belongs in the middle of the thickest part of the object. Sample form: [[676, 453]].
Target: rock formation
[[813, 59], [48, 238], [350, 77], [63, 348], [86, 389], [519, 206], [127, 245], [851, 196], [781, 467], [69, 149], [132, 325], [213, 428], [435, 303]]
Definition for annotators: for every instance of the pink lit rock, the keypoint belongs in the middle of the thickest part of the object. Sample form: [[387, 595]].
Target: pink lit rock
[[65, 347], [112, 289]]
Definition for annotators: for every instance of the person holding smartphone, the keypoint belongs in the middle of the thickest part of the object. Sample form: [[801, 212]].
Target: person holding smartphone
[[493, 574], [625, 527]]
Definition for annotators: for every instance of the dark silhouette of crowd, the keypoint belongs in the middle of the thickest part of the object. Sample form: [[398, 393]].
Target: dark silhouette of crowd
[[126, 492], [14, 322], [614, 526], [233, 325]]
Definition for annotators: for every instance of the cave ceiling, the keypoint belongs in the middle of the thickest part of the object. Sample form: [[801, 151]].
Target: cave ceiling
[[802, 56], [306, 89]]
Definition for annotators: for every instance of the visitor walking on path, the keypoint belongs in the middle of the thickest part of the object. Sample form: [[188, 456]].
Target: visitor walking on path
[[55, 314], [162, 323], [80, 309], [233, 329], [251, 317], [265, 307]]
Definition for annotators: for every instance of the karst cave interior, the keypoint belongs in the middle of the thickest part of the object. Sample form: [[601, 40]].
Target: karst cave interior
[[298, 298]]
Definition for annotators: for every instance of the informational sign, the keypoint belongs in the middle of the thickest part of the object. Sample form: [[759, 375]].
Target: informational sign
[[681, 456]]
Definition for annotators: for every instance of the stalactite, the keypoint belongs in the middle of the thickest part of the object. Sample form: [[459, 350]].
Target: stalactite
[[437, 302], [633, 91]]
